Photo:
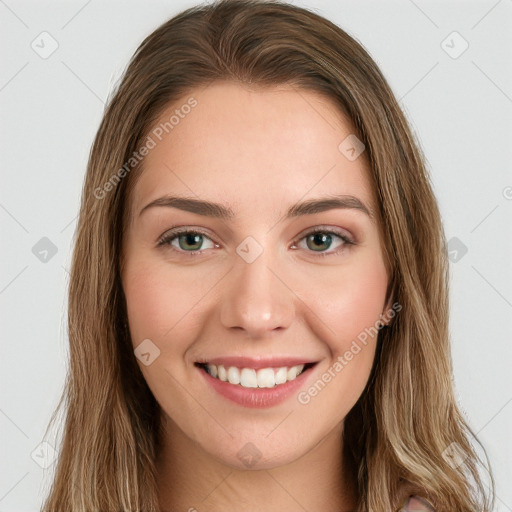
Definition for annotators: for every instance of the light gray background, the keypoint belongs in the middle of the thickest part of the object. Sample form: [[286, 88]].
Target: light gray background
[[461, 109]]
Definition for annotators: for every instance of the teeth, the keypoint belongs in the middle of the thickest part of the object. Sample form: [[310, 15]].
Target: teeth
[[266, 378], [233, 375], [212, 370], [293, 372], [250, 378], [221, 372], [247, 378], [281, 375]]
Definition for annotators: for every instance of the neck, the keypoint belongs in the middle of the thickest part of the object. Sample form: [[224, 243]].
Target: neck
[[190, 479]]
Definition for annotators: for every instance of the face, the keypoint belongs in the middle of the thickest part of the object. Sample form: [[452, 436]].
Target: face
[[246, 290]]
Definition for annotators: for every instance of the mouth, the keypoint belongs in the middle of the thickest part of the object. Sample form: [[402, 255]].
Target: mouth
[[248, 377]]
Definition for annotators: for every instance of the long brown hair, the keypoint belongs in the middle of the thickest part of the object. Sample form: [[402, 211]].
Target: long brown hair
[[399, 431]]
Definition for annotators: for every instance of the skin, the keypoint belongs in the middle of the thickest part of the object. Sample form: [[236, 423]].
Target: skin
[[253, 150]]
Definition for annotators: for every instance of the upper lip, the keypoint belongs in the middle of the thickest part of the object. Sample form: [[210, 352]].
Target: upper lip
[[258, 362]]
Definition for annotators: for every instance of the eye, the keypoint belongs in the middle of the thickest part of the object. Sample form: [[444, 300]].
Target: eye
[[185, 240], [320, 239]]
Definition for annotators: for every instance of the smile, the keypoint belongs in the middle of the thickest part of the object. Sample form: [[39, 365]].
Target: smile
[[258, 383], [251, 378]]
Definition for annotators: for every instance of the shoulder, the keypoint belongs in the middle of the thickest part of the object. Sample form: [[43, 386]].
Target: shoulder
[[417, 504]]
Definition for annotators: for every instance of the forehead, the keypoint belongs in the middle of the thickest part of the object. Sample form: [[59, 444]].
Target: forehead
[[252, 148]]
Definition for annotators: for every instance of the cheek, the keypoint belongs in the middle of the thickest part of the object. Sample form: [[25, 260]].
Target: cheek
[[348, 299], [145, 300], [349, 308], [160, 301]]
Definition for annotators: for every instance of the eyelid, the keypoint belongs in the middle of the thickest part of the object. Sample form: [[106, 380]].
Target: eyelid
[[323, 228], [347, 240], [173, 233], [177, 231]]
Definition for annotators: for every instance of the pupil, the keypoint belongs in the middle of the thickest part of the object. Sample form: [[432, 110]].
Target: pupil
[[318, 238], [321, 239], [191, 239]]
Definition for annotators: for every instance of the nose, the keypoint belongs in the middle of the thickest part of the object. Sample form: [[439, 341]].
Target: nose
[[256, 298]]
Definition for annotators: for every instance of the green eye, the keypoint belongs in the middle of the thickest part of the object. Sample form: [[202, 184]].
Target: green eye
[[320, 241], [187, 241], [317, 241], [191, 241]]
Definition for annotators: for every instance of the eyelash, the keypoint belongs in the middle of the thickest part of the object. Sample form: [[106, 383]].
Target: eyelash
[[168, 237]]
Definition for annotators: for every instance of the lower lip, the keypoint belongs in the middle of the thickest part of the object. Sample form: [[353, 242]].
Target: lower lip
[[257, 398]]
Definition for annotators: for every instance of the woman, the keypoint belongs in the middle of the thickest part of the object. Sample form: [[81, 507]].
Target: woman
[[296, 359]]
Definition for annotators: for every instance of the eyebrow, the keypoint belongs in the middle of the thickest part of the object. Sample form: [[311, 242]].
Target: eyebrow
[[216, 210]]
